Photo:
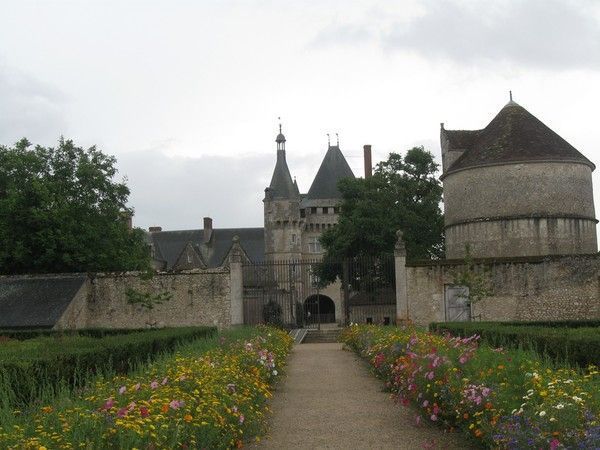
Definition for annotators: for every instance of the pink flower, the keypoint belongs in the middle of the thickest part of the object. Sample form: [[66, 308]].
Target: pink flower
[[462, 359], [430, 375], [109, 404], [122, 390], [418, 420], [176, 404], [433, 417], [122, 412], [242, 418], [425, 403], [137, 387], [154, 384], [485, 391], [234, 409], [131, 406], [554, 444], [144, 411], [165, 381], [436, 408]]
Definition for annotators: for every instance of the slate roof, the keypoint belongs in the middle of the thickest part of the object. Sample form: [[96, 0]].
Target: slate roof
[[36, 302], [514, 135], [333, 168], [168, 245], [282, 186]]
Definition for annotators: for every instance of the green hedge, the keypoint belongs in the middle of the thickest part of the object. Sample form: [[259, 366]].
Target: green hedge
[[572, 345], [36, 369], [31, 333]]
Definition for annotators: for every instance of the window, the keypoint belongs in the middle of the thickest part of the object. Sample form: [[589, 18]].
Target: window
[[293, 238], [313, 210], [369, 320], [189, 258], [303, 213], [386, 320], [326, 210], [314, 246]]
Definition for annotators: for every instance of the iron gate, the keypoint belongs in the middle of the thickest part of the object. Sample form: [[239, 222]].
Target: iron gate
[[309, 293]]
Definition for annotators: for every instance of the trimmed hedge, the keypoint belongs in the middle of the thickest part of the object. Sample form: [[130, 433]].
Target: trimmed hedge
[[37, 368], [578, 346], [31, 333]]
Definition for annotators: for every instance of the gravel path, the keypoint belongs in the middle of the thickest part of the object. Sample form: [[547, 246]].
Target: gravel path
[[330, 400]]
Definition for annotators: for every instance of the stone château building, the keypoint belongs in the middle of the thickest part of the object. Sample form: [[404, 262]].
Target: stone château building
[[516, 188], [293, 222]]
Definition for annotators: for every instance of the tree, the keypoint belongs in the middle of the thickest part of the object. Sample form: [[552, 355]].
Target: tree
[[62, 211], [403, 194]]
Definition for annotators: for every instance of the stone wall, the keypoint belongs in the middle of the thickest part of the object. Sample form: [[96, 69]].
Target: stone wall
[[198, 298], [550, 288], [518, 209]]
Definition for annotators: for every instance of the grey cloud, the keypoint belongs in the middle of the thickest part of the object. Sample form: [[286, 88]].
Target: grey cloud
[[176, 192], [551, 34], [29, 108]]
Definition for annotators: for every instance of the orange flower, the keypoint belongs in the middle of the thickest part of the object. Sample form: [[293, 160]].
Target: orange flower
[[187, 418], [47, 409], [478, 433], [488, 405], [164, 409], [465, 415], [239, 444]]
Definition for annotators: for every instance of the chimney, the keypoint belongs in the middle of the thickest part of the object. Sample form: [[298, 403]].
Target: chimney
[[154, 229], [368, 163], [207, 229]]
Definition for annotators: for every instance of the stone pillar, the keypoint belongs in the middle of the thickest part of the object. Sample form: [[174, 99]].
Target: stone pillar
[[236, 283], [402, 314]]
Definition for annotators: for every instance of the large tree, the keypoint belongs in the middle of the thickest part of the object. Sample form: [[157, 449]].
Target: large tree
[[61, 210], [403, 194]]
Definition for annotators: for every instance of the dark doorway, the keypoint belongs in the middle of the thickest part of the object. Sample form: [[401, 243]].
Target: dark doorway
[[319, 309]]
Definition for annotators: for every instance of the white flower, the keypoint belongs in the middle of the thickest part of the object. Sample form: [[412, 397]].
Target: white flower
[[552, 419], [542, 413], [577, 399], [560, 406], [275, 372]]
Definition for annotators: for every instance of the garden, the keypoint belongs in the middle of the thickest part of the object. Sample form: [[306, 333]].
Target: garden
[[170, 388], [502, 387]]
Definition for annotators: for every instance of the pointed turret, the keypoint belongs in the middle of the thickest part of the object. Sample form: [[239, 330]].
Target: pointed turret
[[282, 185], [333, 168]]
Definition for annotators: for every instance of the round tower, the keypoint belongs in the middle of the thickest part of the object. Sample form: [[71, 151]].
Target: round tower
[[516, 188]]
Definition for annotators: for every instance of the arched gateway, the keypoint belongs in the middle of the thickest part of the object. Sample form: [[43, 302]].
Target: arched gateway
[[319, 308]]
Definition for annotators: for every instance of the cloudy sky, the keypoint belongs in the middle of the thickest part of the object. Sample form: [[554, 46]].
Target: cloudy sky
[[186, 94]]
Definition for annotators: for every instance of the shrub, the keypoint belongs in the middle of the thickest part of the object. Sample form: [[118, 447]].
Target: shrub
[[49, 364], [272, 313], [210, 394], [564, 344], [503, 398]]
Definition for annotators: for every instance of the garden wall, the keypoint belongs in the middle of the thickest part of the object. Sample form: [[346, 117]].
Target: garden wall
[[540, 288], [198, 298]]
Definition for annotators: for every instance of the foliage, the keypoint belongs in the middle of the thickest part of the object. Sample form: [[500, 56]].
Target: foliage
[[24, 334], [403, 194], [574, 345], [26, 367], [502, 398], [272, 313], [62, 211], [211, 394], [478, 281], [147, 300]]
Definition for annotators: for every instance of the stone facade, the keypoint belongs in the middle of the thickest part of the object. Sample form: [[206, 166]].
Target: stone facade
[[198, 298], [549, 288]]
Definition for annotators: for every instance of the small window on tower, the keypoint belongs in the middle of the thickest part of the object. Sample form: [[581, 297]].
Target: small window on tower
[[313, 210], [326, 210], [293, 238], [189, 258], [302, 213]]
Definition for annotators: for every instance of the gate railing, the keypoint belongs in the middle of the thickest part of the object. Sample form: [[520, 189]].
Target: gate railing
[[293, 293]]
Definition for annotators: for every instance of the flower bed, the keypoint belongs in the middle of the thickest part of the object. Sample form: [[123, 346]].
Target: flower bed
[[215, 399], [501, 398]]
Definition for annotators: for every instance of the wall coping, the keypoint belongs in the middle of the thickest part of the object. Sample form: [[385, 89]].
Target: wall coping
[[503, 260], [92, 275]]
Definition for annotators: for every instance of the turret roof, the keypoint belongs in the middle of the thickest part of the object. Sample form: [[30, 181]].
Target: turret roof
[[333, 168], [514, 135], [282, 185]]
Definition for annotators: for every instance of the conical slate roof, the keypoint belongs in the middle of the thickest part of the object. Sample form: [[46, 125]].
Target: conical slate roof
[[333, 168], [514, 135], [282, 186]]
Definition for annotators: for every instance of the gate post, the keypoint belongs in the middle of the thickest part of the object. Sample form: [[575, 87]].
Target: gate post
[[236, 282], [401, 288]]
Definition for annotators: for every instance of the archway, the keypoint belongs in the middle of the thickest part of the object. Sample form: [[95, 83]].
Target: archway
[[319, 309]]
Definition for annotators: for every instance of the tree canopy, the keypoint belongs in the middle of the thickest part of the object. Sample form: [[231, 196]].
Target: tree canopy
[[403, 194], [61, 210]]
